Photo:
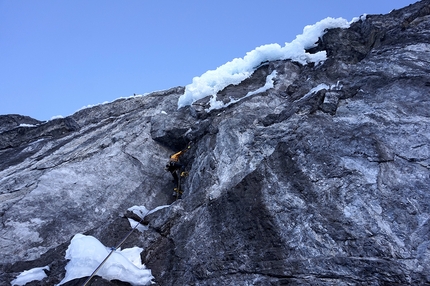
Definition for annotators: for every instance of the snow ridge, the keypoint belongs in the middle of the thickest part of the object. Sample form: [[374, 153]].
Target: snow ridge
[[238, 69]]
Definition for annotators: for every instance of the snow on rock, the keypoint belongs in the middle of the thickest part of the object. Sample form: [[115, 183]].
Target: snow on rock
[[238, 69], [27, 125], [215, 104], [157, 209], [86, 253], [140, 211], [56, 117], [35, 274], [314, 90]]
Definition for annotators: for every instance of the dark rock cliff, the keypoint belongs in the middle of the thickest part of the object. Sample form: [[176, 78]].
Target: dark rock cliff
[[287, 186]]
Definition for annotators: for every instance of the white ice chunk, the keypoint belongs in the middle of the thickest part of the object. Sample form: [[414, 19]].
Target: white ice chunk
[[35, 274], [86, 253]]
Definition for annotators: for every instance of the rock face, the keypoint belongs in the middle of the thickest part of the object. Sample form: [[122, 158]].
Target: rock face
[[323, 179]]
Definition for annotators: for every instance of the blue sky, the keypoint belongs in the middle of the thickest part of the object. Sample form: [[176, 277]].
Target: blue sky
[[58, 56]]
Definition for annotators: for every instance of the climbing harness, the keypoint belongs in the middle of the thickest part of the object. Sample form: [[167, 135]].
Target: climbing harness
[[113, 249]]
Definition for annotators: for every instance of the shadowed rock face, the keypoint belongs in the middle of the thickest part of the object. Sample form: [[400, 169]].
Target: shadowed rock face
[[287, 186]]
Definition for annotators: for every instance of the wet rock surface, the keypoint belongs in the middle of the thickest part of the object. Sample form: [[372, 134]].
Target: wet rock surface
[[295, 185]]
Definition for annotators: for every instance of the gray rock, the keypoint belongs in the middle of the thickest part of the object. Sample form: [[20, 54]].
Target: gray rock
[[287, 186], [11, 121]]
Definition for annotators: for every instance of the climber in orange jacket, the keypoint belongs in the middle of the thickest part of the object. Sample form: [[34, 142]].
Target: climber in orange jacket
[[175, 167]]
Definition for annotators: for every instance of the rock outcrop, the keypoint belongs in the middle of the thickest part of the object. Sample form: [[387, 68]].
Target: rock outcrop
[[323, 179]]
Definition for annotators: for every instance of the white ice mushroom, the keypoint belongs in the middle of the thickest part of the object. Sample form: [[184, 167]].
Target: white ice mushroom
[[86, 253], [239, 69], [35, 274]]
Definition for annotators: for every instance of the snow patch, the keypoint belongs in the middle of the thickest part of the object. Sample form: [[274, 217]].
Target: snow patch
[[157, 209], [140, 211], [361, 18], [314, 90], [214, 104], [86, 253], [137, 225], [27, 125], [56, 117], [35, 274]]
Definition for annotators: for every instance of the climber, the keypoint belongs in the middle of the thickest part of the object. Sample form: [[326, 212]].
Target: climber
[[176, 168]]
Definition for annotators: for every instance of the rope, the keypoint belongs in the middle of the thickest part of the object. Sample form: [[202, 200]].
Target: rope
[[112, 251]]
